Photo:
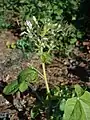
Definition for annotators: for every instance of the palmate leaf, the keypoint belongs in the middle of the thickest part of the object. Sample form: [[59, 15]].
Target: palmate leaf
[[28, 75], [11, 88], [78, 108]]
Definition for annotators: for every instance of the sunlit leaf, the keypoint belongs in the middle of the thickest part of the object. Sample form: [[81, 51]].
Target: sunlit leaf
[[62, 105], [79, 91], [73, 40], [28, 75], [46, 57], [78, 108], [11, 88], [23, 86], [86, 98]]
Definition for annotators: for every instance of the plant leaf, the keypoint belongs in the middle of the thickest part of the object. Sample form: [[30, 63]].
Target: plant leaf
[[70, 107], [46, 58], [62, 105], [73, 40], [86, 98], [34, 112], [28, 75], [78, 108], [79, 91], [11, 88], [23, 86], [86, 111]]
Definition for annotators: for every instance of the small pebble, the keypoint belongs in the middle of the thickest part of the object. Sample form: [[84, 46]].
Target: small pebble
[[7, 102]]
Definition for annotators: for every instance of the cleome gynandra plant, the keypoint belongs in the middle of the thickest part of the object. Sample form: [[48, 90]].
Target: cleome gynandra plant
[[43, 49], [30, 75]]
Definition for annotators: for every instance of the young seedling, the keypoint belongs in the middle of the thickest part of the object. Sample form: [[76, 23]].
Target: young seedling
[[42, 43], [43, 49]]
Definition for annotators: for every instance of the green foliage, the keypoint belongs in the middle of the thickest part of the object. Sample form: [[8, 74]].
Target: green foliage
[[64, 104], [46, 58], [47, 25], [5, 15], [25, 45], [78, 108], [57, 20], [59, 36], [66, 36], [11, 88], [49, 9], [24, 79], [3, 23], [79, 91], [54, 107], [34, 112], [28, 75], [23, 86]]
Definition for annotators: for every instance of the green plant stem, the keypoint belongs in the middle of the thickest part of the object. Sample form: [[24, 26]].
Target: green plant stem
[[41, 75], [45, 78]]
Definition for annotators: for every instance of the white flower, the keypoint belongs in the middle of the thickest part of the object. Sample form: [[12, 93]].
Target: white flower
[[29, 24]]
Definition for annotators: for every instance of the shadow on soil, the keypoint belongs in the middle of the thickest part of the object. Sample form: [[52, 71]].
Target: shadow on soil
[[83, 18], [81, 69]]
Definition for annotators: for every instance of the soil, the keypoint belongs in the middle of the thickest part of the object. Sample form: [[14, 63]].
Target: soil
[[59, 72]]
